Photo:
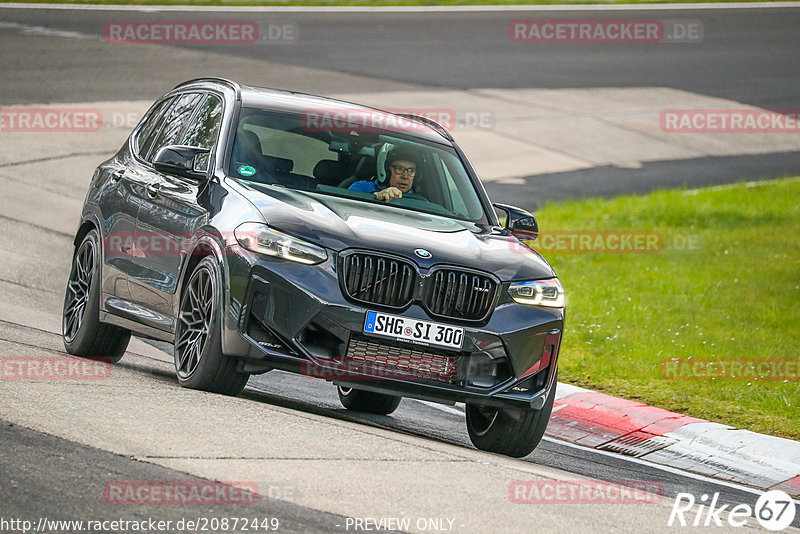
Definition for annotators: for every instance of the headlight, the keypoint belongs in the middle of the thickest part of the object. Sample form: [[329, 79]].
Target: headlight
[[258, 237], [548, 293]]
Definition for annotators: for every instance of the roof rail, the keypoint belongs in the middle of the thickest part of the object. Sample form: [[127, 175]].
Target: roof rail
[[224, 81], [430, 122]]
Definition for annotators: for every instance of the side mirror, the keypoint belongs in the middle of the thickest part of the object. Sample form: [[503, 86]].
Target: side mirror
[[186, 161], [522, 224]]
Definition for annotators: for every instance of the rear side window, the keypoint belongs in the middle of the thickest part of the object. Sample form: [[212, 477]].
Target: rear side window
[[143, 139], [178, 115]]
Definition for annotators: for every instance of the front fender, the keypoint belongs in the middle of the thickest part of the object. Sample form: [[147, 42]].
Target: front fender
[[211, 243]]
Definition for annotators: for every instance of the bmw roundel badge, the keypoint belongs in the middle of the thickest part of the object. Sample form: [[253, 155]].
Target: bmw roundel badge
[[422, 253]]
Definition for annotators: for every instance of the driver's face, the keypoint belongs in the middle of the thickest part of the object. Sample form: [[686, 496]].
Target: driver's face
[[403, 173]]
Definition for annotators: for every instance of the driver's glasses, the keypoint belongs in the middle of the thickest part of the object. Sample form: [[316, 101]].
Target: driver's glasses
[[410, 171]]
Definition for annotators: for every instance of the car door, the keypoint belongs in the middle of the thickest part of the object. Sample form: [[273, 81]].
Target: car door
[[119, 209], [170, 214]]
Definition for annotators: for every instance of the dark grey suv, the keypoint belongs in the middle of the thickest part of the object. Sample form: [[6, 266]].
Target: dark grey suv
[[260, 229]]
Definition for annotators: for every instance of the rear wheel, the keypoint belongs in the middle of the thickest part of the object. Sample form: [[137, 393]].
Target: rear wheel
[[83, 333], [510, 432], [199, 361], [367, 401]]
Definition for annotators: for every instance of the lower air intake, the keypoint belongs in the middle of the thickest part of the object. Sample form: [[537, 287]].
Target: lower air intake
[[388, 361]]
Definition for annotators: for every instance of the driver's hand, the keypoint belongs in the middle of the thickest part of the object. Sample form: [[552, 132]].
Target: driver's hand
[[388, 194]]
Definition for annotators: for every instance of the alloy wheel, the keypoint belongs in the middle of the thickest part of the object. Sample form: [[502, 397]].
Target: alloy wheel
[[78, 287], [194, 321]]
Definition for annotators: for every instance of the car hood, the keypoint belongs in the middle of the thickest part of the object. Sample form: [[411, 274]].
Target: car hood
[[342, 223]]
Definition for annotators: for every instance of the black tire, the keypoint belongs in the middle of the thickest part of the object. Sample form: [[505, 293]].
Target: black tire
[[367, 401], [81, 329], [199, 361], [513, 434]]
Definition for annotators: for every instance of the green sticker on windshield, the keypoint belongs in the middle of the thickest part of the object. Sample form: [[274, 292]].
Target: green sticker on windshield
[[246, 170]]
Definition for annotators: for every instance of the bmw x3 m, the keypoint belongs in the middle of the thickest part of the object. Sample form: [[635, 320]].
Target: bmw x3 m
[[258, 229]]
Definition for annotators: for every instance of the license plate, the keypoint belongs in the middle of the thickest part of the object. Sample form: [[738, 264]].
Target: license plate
[[414, 330]]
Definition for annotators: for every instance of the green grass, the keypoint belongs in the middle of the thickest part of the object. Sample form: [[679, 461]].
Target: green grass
[[734, 295]]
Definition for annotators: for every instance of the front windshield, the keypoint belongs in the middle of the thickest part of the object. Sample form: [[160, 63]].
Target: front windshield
[[396, 170]]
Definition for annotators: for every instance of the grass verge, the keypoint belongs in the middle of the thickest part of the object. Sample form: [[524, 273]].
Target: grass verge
[[725, 287]]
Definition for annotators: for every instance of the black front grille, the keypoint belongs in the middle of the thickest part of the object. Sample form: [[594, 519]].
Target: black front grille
[[459, 294], [383, 360], [378, 279]]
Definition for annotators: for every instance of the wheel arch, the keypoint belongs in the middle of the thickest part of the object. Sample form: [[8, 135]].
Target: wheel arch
[[88, 224], [210, 243], [206, 245]]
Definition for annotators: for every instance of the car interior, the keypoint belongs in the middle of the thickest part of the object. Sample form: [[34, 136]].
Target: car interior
[[278, 151]]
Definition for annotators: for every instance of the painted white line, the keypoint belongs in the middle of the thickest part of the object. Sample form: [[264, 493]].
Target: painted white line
[[410, 9], [40, 30], [734, 186], [668, 469], [665, 468], [442, 407], [565, 390]]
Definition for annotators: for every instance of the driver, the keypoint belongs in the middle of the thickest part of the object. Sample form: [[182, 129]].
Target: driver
[[401, 169]]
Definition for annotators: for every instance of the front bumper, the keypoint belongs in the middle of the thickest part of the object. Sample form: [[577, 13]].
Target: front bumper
[[294, 317]]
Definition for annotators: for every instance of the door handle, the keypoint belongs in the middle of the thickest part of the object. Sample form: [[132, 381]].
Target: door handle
[[117, 175], [152, 189]]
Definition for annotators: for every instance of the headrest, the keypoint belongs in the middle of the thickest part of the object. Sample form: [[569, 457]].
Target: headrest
[[366, 168], [277, 164], [249, 141]]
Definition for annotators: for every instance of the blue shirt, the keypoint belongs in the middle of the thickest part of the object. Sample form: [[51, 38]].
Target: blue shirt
[[367, 186]]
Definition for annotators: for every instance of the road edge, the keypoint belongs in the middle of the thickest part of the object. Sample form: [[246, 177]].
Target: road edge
[[600, 421]]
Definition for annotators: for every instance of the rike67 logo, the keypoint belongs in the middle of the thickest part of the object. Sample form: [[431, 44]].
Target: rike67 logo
[[774, 510]]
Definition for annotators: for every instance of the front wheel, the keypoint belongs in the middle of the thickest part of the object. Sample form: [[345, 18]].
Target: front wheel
[[367, 401], [199, 361], [81, 329], [512, 433]]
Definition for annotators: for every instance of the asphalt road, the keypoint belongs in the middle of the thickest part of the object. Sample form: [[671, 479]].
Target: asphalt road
[[56, 479], [747, 55], [446, 424]]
